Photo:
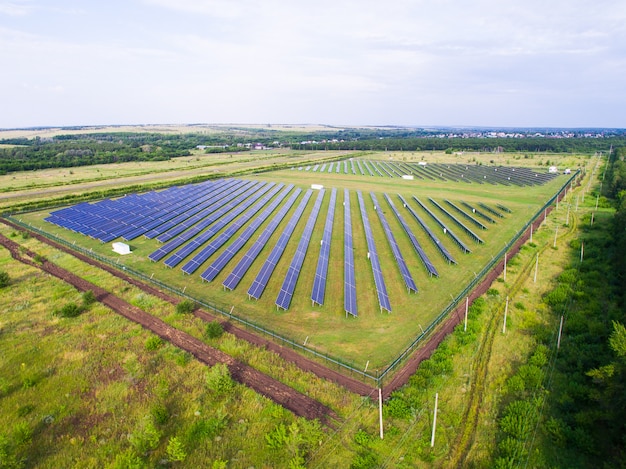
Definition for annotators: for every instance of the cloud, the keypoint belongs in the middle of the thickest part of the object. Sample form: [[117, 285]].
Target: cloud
[[15, 8]]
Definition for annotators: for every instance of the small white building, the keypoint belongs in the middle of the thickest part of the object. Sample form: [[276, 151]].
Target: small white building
[[121, 248], [408, 176], [553, 170], [317, 187]]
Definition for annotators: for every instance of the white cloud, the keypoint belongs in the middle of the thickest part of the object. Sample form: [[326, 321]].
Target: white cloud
[[15, 8]]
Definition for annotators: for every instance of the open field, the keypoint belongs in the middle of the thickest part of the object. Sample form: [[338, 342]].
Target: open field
[[373, 336]]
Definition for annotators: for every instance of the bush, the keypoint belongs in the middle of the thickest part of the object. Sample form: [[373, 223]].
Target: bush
[[160, 414], [153, 342], [214, 329], [176, 449], [5, 280], [89, 298], [70, 310], [185, 307], [219, 380]]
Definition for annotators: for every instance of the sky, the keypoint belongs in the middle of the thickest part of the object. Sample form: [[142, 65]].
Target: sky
[[503, 63]]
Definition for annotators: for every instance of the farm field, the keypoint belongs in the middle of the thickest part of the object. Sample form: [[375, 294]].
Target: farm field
[[373, 338]]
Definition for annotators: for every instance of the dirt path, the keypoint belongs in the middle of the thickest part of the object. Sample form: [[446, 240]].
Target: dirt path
[[280, 393]]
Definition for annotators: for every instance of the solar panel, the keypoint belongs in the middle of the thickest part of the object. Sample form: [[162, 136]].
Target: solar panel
[[446, 230], [404, 270], [416, 245], [438, 244], [216, 267], [381, 289], [204, 219], [260, 282], [192, 265], [283, 300], [482, 215], [467, 216], [221, 218], [319, 283], [330, 167], [244, 264], [469, 232], [349, 283]]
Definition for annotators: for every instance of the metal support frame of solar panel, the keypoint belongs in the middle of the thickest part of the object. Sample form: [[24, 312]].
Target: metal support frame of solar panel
[[246, 261], [432, 270], [221, 218], [490, 210], [283, 300], [458, 222], [216, 267], [445, 228], [231, 228], [502, 207], [395, 249], [349, 278], [202, 220], [219, 188], [217, 201], [260, 282], [465, 215], [379, 281], [474, 210], [319, 282]]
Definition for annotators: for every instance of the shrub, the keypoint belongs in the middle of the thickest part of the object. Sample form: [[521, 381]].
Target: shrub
[[127, 460], [176, 450], [70, 310], [185, 307], [5, 280], [146, 436], [219, 380], [89, 298], [153, 342], [160, 414], [214, 329]]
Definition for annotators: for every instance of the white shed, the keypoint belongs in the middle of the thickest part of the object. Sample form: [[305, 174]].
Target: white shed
[[407, 176], [121, 248], [317, 187]]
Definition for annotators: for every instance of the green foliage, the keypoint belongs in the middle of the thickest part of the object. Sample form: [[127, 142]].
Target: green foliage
[[153, 342], [5, 280], [617, 341], [160, 414], [8, 458], [362, 438], [214, 330], [186, 307], [22, 433], [88, 298], [206, 429], [176, 450], [518, 419], [69, 310], [146, 436], [218, 379], [397, 407], [277, 438], [493, 292], [127, 460], [219, 464], [364, 460]]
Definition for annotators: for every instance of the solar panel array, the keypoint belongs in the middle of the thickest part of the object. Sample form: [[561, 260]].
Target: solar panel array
[[381, 289], [465, 215], [216, 267], [471, 174], [349, 282], [474, 210], [319, 283], [244, 264], [446, 230], [260, 282], [438, 244], [200, 258], [397, 254], [469, 232], [432, 270], [283, 300]]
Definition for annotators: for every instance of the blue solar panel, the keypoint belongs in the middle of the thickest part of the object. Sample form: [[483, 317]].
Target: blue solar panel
[[469, 232], [330, 167], [244, 264], [467, 216], [260, 282], [283, 300], [474, 210], [319, 283], [191, 266], [198, 222], [442, 249], [381, 289], [216, 267], [221, 218], [404, 270], [446, 230], [349, 283], [416, 245]]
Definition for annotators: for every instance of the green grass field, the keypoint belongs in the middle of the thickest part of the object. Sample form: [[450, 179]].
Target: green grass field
[[373, 337]]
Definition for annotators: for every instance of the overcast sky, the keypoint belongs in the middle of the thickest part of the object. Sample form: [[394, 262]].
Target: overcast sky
[[559, 63]]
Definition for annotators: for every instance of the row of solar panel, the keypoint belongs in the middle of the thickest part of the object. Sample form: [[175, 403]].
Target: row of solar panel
[[436, 171], [222, 204]]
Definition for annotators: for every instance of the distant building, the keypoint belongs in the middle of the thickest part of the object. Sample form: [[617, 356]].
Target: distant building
[[121, 248], [553, 169]]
